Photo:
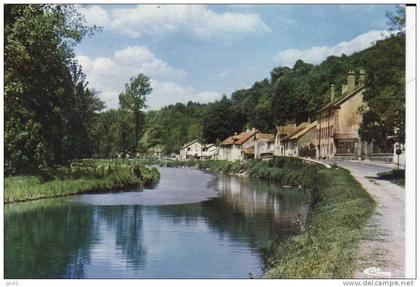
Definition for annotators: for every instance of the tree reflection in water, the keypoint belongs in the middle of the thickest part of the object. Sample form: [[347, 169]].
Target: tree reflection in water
[[215, 238]]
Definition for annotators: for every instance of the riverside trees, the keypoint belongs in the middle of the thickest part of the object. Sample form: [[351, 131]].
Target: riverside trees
[[49, 109]]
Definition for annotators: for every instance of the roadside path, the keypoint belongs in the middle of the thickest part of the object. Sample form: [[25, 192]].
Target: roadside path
[[384, 244]]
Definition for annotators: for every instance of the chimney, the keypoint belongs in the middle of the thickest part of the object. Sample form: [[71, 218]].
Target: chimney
[[362, 75], [332, 96], [351, 80]]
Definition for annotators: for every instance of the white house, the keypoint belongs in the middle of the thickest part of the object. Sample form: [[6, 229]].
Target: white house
[[303, 141], [209, 151], [238, 147], [264, 145], [191, 150], [282, 132]]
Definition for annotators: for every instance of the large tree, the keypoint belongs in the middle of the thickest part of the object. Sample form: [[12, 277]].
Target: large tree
[[384, 120], [39, 86], [133, 99]]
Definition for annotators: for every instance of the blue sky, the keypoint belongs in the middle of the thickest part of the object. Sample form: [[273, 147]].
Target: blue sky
[[198, 53]]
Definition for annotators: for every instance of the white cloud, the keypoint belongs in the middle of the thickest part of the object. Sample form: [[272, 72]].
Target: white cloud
[[197, 20], [166, 93], [94, 15], [108, 76], [317, 54]]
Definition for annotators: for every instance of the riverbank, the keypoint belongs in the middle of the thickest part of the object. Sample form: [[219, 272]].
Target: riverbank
[[340, 209], [84, 177], [383, 247]]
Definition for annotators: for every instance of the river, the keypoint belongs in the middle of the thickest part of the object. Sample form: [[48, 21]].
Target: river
[[192, 224]]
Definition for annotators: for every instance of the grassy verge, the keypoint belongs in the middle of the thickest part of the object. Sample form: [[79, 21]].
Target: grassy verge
[[339, 212], [286, 170], [394, 176], [334, 227], [83, 177]]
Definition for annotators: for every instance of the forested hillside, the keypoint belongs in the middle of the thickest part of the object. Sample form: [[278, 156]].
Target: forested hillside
[[292, 95]]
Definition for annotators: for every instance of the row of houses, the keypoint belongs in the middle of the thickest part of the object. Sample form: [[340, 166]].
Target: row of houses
[[332, 134]]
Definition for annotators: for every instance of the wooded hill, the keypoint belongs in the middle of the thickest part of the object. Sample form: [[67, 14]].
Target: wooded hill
[[291, 95]]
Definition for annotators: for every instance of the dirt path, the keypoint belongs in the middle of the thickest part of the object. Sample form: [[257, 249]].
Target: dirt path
[[383, 245]]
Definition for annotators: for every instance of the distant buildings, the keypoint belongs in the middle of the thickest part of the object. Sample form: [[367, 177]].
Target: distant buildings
[[334, 134], [197, 150]]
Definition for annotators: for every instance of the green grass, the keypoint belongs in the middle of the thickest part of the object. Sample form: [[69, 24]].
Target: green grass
[[394, 176], [286, 170], [340, 209], [334, 227], [83, 177]]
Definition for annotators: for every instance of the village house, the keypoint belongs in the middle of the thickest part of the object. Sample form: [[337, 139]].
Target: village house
[[282, 132], [264, 146], [238, 147], [209, 151], [339, 121], [302, 142], [191, 150]]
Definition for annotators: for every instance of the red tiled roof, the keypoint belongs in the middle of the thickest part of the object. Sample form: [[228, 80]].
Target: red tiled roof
[[245, 136], [240, 138]]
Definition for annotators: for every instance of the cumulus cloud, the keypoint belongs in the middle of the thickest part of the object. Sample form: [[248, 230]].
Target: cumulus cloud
[[197, 20], [107, 75], [94, 15], [166, 93], [317, 54]]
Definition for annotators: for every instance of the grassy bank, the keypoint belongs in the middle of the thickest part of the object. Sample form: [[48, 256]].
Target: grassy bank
[[286, 170], [339, 212], [82, 177]]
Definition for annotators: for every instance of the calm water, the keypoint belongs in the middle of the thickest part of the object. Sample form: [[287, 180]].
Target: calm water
[[190, 225]]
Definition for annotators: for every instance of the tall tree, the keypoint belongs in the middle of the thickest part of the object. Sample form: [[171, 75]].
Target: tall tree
[[133, 99], [384, 120], [38, 53]]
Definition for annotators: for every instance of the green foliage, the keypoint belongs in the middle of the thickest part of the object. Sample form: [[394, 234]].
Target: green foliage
[[173, 126], [384, 121], [286, 170], [82, 177], [133, 100], [48, 107], [396, 20], [114, 133], [221, 120], [334, 227]]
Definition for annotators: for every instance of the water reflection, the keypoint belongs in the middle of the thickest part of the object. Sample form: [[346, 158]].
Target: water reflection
[[253, 196], [215, 238]]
